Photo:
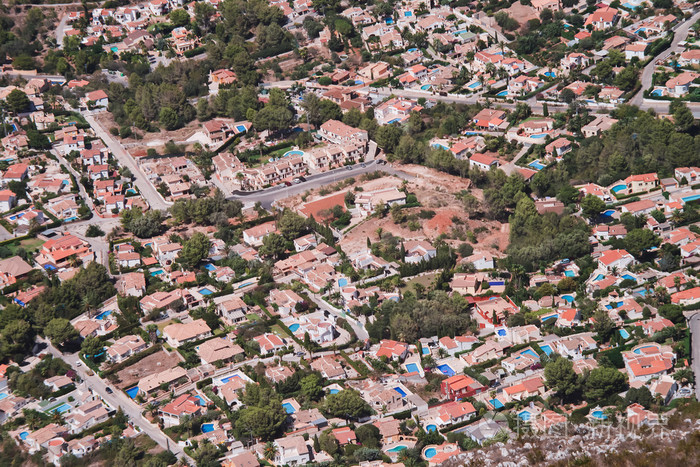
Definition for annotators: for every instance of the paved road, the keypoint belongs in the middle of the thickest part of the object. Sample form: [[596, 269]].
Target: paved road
[[81, 188], [694, 325], [357, 326], [148, 191], [269, 196], [681, 32], [61, 31], [119, 399]]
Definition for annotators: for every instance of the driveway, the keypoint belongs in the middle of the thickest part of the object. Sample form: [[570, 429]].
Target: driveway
[[694, 326]]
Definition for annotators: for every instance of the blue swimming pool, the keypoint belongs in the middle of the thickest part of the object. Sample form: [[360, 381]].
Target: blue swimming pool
[[206, 291], [398, 448], [550, 74], [240, 128], [207, 427], [201, 400], [537, 165], [412, 368], [599, 277], [209, 267], [62, 408], [104, 314], [691, 198], [640, 30], [496, 404], [618, 188], [23, 435], [342, 282], [568, 298], [359, 82], [295, 152], [132, 392], [599, 415], [501, 332], [609, 213], [294, 327], [569, 273], [440, 146], [446, 370], [502, 93], [529, 352], [400, 391], [334, 391], [629, 277], [657, 92], [3, 395], [539, 136], [430, 453], [639, 350], [114, 49], [426, 87], [408, 14], [157, 272], [546, 349], [289, 408], [431, 427], [229, 378], [425, 350], [624, 334], [474, 85], [630, 6], [524, 416]]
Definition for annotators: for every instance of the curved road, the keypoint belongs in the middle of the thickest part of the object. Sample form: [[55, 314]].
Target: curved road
[[681, 32], [269, 196]]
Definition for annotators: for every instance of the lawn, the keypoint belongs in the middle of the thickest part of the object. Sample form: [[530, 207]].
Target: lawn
[[252, 317], [29, 245], [426, 281]]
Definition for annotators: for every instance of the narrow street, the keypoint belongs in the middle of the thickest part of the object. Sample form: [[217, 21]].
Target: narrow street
[[119, 399], [148, 191]]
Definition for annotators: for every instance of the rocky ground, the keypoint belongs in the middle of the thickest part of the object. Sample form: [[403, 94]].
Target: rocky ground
[[599, 446]]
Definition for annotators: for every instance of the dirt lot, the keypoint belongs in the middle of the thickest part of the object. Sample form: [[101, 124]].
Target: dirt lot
[[151, 140], [159, 361], [522, 13], [436, 192]]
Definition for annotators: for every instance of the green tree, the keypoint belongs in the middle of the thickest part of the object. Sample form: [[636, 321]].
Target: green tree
[[179, 17], [560, 375], [592, 206], [17, 101], [60, 331], [168, 118], [329, 443], [274, 246], [291, 225], [683, 117], [91, 346], [347, 404], [639, 240], [604, 382], [194, 250], [368, 435], [311, 386], [17, 336], [603, 325]]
